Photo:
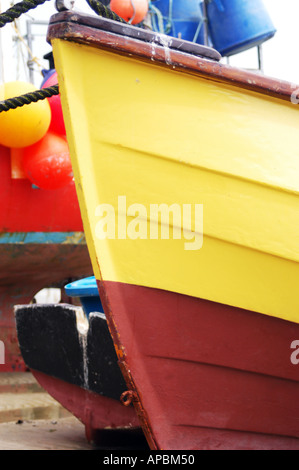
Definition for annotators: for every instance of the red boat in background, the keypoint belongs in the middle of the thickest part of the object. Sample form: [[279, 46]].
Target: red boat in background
[[42, 244]]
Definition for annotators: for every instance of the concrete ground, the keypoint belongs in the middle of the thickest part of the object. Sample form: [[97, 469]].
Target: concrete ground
[[43, 434], [30, 419]]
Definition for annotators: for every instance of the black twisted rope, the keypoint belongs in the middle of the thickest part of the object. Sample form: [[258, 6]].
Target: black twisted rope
[[17, 10], [23, 7], [104, 11], [27, 98]]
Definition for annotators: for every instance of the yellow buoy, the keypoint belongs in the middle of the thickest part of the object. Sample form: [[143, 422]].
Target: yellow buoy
[[23, 126]]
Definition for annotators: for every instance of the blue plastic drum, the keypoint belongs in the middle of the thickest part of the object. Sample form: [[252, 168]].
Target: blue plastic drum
[[87, 290], [180, 18], [238, 25]]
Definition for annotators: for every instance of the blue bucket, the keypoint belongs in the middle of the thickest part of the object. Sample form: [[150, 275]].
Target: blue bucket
[[179, 18], [87, 290], [238, 25]]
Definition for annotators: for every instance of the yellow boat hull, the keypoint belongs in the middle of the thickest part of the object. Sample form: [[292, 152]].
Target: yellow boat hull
[[158, 136]]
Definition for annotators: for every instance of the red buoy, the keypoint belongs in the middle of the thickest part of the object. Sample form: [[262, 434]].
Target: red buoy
[[57, 122], [47, 163], [133, 11]]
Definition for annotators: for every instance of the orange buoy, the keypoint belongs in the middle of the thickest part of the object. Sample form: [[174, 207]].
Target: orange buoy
[[47, 163], [133, 11], [23, 126], [57, 122]]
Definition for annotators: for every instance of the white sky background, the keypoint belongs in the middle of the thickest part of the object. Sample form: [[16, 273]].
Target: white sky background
[[280, 54]]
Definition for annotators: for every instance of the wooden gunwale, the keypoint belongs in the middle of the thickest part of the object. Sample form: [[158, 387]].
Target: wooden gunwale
[[71, 27]]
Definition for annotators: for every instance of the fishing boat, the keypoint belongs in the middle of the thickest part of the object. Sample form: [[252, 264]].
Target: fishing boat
[[77, 366], [202, 305], [42, 244], [77, 362]]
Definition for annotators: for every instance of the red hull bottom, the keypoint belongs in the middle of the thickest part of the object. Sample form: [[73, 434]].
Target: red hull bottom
[[96, 412], [205, 375]]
